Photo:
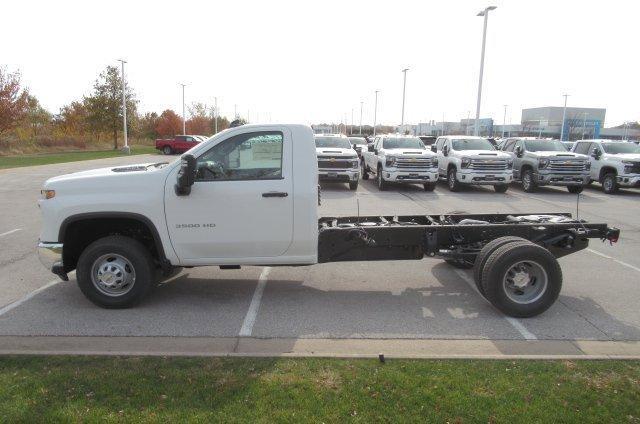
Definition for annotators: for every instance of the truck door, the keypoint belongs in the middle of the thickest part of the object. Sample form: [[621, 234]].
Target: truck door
[[442, 163], [241, 204]]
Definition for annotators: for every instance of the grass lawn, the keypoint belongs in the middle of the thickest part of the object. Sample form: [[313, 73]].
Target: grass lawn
[[45, 159], [118, 389]]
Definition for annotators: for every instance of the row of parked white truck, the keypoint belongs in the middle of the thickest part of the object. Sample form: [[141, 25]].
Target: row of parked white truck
[[467, 160]]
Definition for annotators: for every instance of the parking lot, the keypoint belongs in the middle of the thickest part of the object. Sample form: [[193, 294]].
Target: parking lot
[[371, 300]]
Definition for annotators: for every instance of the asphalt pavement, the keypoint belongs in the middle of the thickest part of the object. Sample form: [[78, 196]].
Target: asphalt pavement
[[398, 300]]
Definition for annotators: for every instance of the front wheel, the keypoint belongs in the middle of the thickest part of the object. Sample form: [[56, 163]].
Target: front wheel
[[501, 188], [365, 174], [429, 186], [575, 189], [528, 182], [382, 184], [609, 183], [115, 272], [353, 185], [167, 150], [452, 180]]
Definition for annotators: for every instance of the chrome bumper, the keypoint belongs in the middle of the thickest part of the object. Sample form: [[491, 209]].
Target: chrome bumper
[[50, 255]]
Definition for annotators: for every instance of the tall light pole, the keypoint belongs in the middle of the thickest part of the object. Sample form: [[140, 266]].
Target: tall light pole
[[124, 109], [375, 113], [361, 103], [564, 115], [504, 120], [584, 123], [485, 13], [466, 128], [540, 127], [215, 114], [404, 89], [351, 120], [184, 122], [235, 111]]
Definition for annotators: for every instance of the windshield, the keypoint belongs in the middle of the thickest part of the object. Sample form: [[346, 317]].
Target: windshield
[[358, 140], [544, 146], [471, 144], [339, 142], [615, 148], [402, 143]]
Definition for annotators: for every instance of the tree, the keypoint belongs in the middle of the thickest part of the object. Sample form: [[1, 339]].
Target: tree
[[13, 99], [104, 105], [147, 124], [36, 117], [169, 124], [72, 119], [200, 120]]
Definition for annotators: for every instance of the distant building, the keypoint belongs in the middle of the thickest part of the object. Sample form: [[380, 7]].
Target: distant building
[[577, 120]]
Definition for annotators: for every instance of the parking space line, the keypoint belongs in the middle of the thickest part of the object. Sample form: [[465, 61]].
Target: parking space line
[[10, 232], [252, 313], [515, 323], [19, 302], [613, 259]]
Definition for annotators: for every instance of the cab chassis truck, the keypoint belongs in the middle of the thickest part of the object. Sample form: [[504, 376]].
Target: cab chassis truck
[[123, 229]]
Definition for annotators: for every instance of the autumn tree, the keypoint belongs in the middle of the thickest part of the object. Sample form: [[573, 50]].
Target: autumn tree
[[36, 117], [169, 124], [13, 99], [146, 125], [104, 105], [200, 120]]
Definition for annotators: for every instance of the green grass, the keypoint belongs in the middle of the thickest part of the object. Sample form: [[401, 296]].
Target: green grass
[[117, 389], [45, 159]]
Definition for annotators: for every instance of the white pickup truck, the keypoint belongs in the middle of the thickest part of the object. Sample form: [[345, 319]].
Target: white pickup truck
[[337, 160], [400, 159], [248, 196]]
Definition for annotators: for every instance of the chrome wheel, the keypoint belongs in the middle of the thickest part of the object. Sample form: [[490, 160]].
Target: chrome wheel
[[526, 181], [525, 282], [452, 179], [113, 275], [608, 184]]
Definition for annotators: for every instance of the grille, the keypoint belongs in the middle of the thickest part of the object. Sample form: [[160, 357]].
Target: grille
[[488, 165], [633, 169], [335, 163], [565, 166], [415, 163]]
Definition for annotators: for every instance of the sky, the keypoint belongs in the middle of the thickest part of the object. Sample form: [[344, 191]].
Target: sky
[[312, 62]]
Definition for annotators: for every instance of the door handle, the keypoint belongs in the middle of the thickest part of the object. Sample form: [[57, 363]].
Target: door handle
[[275, 194]]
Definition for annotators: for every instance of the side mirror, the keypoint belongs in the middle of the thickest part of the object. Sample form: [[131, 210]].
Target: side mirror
[[445, 150], [595, 153], [519, 151], [186, 175], [370, 148], [433, 148]]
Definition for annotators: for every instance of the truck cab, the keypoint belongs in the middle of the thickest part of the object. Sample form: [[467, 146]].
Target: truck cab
[[400, 159], [540, 162], [614, 164], [178, 144], [337, 159], [472, 160]]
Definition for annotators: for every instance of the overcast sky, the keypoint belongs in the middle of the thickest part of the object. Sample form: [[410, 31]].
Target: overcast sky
[[302, 61]]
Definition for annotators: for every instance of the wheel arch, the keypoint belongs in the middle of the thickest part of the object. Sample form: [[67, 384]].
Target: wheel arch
[[606, 170]]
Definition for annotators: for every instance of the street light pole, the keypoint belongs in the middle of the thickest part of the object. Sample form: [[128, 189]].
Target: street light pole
[[184, 122], [124, 109], [351, 120], [540, 127], [584, 123], [485, 13], [564, 115], [466, 128], [404, 89], [504, 120], [361, 102], [375, 113], [215, 114]]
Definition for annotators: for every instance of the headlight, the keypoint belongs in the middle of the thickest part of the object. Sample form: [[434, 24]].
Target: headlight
[[466, 162], [434, 162], [628, 166], [510, 164], [48, 194], [543, 163], [587, 166], [355, 163], [391, 160]]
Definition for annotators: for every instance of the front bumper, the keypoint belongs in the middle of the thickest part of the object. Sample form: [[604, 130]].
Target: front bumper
[[481, 178], [632, 180], [50, 255], [418, 176], [562, 179], [345, 175]]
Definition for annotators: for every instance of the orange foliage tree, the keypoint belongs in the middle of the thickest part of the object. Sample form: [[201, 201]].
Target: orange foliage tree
[[13, 99], [169, 124]]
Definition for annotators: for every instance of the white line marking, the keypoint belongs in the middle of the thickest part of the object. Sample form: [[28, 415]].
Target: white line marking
[[635, 268], [10, 232], [19, 302], [252, 313], [513, 321]]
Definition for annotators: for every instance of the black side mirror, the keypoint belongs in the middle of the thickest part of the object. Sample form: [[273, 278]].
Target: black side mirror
[[595, 153], [445, 150], [370, 148], [519, 151], [186, 175], [433, 148]]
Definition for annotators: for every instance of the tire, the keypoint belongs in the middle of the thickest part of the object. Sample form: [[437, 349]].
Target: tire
[[353, 185], [429, 186], [528, 182], [382, 184], [365, 174], [575, 189], [125, 256], [501, 188], [452, 181], [487, 250], [609, 183], [522, 263], [167, 150], [460, 263]]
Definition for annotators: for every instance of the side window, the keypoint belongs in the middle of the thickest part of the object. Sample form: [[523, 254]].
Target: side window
[[379, 144], [180, 138], [250, 156], [189, 139], [439, 144], [508, 147], [582, 148]]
